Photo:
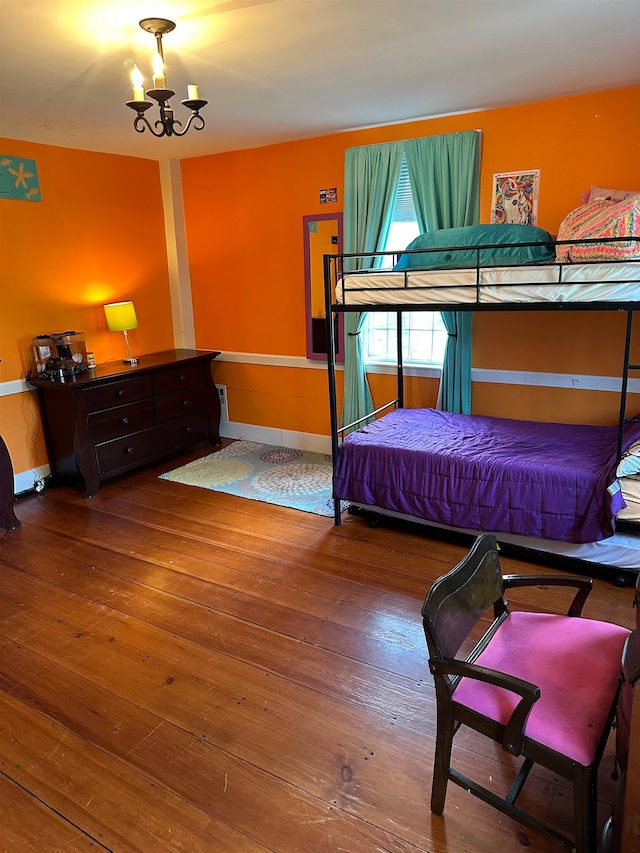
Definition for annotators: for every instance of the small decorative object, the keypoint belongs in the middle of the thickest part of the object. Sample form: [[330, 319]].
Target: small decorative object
[[91, 360], [167, 125], [18, 178], [515, 197], [329, 196], [60, 356], [121, 316]]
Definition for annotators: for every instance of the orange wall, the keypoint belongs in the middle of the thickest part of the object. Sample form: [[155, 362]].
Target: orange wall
[[244, 212], [97, 236]]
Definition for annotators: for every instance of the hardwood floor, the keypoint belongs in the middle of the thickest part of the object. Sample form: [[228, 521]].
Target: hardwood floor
[[188, 671]]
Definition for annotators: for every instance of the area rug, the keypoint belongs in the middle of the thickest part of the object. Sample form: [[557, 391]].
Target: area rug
[[261, 472]]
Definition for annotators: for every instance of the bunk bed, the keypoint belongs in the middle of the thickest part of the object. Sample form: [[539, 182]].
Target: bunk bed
[[550, 492]]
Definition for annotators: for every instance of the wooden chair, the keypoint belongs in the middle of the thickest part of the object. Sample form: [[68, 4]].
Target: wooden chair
[[545, 686]]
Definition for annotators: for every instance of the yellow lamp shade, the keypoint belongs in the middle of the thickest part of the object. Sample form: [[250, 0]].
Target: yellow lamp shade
[[121, 316]]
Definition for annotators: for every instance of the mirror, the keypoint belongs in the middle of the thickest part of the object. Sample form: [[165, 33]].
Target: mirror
[[322, 236]]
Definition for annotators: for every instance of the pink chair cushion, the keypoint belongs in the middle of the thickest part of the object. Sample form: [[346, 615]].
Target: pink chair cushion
[[576, 663]]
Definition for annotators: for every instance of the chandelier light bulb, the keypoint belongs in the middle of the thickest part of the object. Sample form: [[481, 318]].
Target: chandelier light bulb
[[137, 80], [159, 79]]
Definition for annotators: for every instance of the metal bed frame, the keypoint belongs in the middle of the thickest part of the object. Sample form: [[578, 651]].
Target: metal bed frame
[[335, 264]]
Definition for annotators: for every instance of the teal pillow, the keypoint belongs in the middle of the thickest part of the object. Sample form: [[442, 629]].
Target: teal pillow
[[493, 236]]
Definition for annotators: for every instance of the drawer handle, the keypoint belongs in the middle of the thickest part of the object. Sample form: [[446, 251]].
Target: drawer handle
[[128, 450], [188, 429], [124, 420], [185, 403], [181, 378], [120, 393]]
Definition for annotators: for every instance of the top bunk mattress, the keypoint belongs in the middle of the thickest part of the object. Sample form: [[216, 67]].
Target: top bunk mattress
[[546, 283], [596, 259]]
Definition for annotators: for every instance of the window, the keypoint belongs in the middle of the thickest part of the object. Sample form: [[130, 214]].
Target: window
[[423, 334]]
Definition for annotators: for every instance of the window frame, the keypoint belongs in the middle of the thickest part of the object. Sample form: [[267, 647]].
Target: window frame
[[404, 219]]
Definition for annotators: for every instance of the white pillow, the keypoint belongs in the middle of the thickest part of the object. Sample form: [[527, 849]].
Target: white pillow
[[603, 194]]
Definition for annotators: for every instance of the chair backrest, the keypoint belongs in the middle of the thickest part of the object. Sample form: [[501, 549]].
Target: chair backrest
[[458, 600]]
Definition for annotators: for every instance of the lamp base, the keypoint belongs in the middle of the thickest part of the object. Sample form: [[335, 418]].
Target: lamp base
[[130, 361]]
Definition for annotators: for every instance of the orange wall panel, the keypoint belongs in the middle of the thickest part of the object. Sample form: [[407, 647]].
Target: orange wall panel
[[21, 430], [560, 405], [272, 396], [575, 342]]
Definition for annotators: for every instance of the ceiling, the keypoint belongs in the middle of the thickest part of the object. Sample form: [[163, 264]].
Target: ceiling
[[276, 70]]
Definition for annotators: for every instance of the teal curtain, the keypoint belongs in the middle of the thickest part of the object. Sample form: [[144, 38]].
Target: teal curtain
[[371, 180], [444, 172]]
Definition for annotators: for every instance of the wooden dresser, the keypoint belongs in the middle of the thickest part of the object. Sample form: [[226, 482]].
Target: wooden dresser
[[116, 417]]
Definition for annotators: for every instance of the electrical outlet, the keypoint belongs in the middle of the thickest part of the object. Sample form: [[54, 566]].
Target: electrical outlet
[[224, 407]]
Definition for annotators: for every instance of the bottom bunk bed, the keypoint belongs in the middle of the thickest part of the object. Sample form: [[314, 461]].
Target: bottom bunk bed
[[551, 489]]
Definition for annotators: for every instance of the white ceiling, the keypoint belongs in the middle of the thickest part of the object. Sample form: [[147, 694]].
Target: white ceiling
[[275, 70]]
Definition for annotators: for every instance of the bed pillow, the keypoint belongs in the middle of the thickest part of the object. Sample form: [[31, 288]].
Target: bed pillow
[[495, 236], [603, 194], [601, 219], [630, 462]]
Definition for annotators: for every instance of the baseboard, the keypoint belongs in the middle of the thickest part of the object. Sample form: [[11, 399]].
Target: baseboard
[[25, 481], [279, 437]]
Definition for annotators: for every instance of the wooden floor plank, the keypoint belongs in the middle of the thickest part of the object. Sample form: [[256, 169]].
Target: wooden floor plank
[[29, 826], [260, 638], [412, 558], [351, 604], [327, 549], [114, 805], [258, 804], [245, 676]]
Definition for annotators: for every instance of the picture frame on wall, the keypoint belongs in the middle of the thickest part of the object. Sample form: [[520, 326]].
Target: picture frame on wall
[[515, 197]]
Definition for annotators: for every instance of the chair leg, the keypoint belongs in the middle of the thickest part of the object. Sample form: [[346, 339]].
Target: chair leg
[[585, 805], [442, 761]]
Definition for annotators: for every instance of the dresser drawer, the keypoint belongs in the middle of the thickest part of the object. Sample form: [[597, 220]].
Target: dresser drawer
[[114, 423], [117, 393], [180, 403], [148, 444], [182, 376], [186, 431]]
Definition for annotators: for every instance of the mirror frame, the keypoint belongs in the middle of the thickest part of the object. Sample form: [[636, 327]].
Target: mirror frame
[[310, 286]]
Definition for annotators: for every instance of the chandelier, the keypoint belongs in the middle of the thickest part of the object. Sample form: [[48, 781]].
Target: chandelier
[[166, 125]]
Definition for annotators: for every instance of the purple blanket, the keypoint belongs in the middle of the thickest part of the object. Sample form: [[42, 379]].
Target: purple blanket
[[494, 474]]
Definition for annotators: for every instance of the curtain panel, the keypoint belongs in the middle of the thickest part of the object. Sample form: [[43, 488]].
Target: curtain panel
[[371, 179], [444, 172]]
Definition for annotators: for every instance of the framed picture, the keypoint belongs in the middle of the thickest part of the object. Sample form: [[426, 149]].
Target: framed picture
[[515, 197]]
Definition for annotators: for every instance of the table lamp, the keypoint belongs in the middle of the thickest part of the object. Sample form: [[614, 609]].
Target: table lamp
[[121, 316]]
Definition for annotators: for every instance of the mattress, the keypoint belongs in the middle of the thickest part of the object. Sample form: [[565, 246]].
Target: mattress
[[591, 282], [550, 481]]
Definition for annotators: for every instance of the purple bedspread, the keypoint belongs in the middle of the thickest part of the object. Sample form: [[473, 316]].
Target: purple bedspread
[[494, 474]]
